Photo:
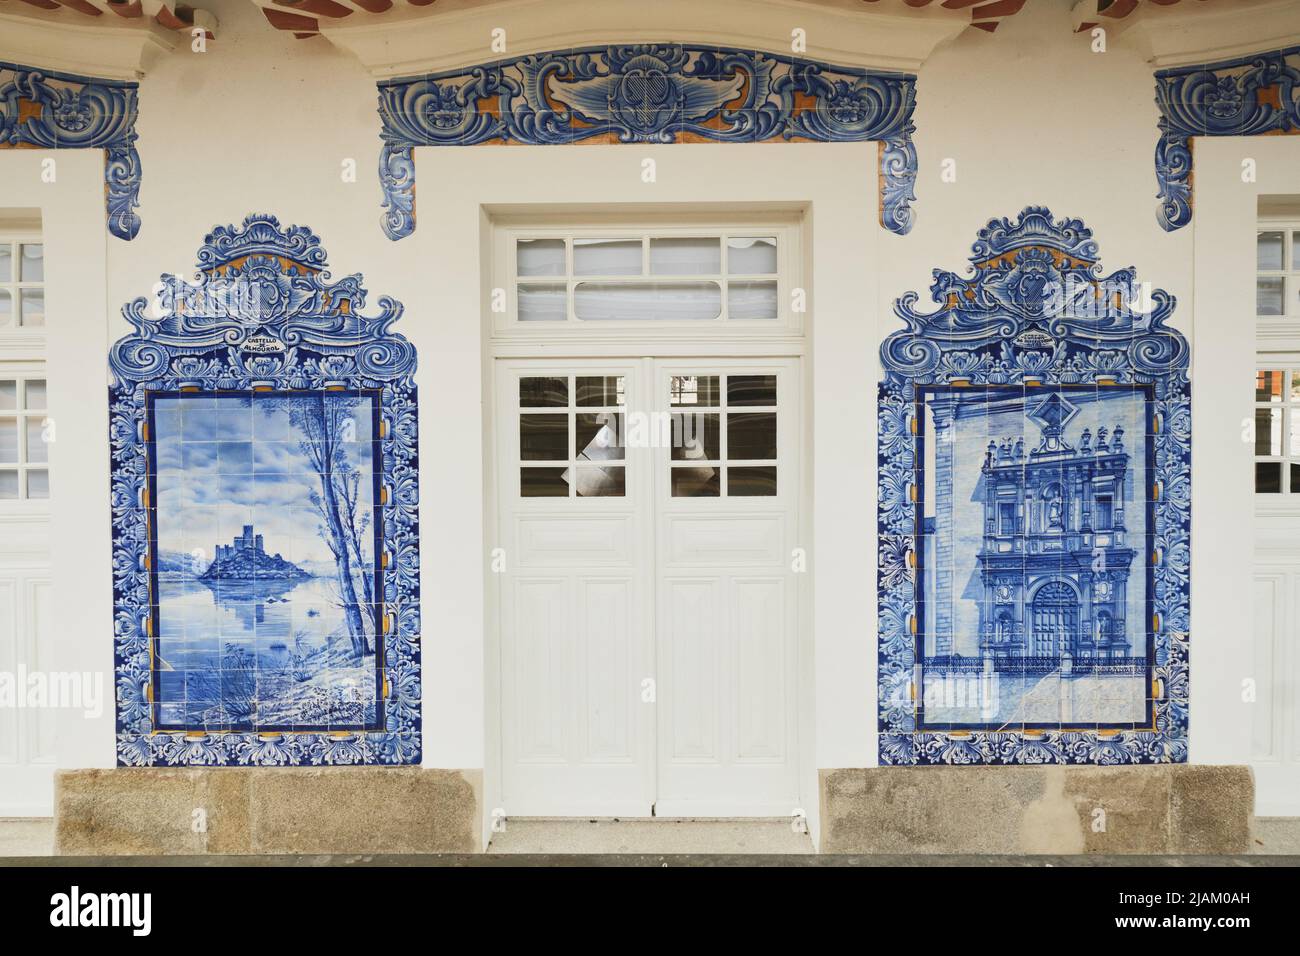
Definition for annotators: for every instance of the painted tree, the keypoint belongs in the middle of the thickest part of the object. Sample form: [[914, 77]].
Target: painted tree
[[356, 523], [320, 421]]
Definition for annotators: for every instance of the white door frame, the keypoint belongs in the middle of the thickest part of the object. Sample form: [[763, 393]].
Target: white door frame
[[505, 364]]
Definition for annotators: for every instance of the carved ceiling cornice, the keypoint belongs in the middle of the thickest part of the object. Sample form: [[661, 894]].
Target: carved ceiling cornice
[[103, 38]]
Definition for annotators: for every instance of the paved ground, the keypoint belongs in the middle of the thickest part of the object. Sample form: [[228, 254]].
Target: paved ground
[[650, 836], [26, 837], [1277, 835], [658, 860], [648, 843]]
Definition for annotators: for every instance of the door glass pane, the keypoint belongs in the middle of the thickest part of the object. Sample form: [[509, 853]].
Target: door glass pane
[[539, 257], [1268, 432], [747, 301], [33, 268], [606, 257], [38, 483], [1295, 478], [37, 451], [647, 301], [688, 482], [751, 257], [1268, 296], [35, 394], [1268, 385], [751, 389], [686, 257], [6, 308], [751, 435], [9, 440], [1268, 477], [6, 263], [751, 481], [600, 482], [8, 394], [543, 483], [543, 303], [1268, 252], [544, 437], [599, 390], [33, 308], [1295, 251], [694, 390], [695, 437], [8, 483], [543, 391], [599, 436]]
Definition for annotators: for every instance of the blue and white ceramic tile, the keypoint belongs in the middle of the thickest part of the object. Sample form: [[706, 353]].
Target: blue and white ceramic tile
[[1034, 512], [265, 515], [1249, 96], [78, 112], [648, 93]]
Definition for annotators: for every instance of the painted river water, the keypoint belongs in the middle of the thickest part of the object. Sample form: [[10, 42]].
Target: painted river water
[[244, 654]]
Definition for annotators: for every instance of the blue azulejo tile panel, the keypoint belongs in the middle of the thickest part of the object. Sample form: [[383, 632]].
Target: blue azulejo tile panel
[[265, 525], [1248, 96], [649, 93], [1034, 512], [49, 110]]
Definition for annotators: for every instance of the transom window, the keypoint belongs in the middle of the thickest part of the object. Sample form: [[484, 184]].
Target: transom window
[[1277, 269], [22, 284], [24, 453], [1277, 431], [646, 278]]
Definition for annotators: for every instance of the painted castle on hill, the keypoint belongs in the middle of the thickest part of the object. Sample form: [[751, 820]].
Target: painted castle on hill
[[245, 558]]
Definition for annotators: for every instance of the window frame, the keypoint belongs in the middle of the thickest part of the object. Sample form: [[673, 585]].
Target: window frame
[[573, 462], [1289, 273], [724, 410], [1277, 347], [1287, 500], [504, 283], [23, 356], [22, 372], [17, 341]]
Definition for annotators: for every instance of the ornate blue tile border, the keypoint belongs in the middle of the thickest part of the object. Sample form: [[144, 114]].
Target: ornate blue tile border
[[1249, 96], [648, 93], [49, 110], [1037, 328], [263, 319]]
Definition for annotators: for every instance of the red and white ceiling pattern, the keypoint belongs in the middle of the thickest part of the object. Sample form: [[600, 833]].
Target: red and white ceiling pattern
[[166, 13], [987, 14], [304, 18]]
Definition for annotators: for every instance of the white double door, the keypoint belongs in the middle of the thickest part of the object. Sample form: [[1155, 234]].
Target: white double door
[[648, 586]]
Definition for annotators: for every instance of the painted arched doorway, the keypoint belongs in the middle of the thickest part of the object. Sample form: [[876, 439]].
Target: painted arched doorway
[[1055, 619]]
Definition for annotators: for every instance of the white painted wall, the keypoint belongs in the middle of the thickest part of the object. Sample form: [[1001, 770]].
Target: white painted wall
[[77, 546], [264, 123], [1259, 647]]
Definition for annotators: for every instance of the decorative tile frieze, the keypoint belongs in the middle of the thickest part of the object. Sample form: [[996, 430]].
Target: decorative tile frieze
[[1251, 96], [48, 110], [265, 514], [1034, 511], [648, 93]]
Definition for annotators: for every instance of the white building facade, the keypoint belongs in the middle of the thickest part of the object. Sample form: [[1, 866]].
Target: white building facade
[[650, 470]]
